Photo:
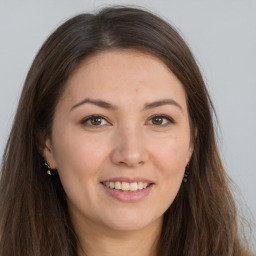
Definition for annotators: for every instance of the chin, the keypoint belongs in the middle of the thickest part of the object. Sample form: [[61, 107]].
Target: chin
[[131, 222]]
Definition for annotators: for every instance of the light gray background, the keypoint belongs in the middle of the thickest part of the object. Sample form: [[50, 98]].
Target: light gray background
[[221, 34]]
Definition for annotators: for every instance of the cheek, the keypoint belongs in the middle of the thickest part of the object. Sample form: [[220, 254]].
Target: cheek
[[170, 161], [79, 161], [78, 156], [171, 154]]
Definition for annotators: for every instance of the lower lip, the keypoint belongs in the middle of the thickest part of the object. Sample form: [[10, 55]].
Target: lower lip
[[128, 196]]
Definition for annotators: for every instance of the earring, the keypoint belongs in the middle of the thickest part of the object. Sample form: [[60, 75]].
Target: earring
[[186, 174], [48, 168]]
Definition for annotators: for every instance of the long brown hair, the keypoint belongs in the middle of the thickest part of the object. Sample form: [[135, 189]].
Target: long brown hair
[[34, 218]]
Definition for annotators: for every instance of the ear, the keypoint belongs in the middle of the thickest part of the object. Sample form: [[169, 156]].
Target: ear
[[191, 147], [190, 152], [46, 149]]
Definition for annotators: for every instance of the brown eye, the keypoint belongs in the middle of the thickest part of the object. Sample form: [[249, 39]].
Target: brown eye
[[96, 120], [160, 120], [157, 120]]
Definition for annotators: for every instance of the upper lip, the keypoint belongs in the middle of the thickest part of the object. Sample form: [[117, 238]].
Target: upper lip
[[128, 179]]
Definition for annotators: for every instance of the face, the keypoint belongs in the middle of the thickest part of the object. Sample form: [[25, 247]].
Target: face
[[120, 140]]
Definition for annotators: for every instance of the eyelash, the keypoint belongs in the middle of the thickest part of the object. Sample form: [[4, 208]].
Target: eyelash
[[90, 118], [160, 116]]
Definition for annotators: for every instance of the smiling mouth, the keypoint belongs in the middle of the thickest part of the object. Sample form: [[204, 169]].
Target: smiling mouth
[[126, 186]]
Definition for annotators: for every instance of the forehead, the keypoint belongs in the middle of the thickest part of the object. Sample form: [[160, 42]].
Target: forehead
[[129, 73]]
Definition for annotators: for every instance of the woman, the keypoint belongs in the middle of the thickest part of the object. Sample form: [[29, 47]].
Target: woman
[[112, 151]]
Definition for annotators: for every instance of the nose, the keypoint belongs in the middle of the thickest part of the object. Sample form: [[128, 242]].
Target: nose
[[129, 149]]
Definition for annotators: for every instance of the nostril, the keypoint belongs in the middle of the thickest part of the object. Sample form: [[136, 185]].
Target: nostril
[[129, 153]]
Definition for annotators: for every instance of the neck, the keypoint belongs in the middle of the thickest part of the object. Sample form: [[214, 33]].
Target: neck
[[102, 241]]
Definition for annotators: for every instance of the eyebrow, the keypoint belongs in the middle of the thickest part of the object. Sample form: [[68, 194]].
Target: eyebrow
[[161, 103], [100, 103], [106, 105]]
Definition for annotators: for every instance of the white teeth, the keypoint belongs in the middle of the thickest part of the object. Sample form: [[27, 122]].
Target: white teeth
[[118, 185], [126, 186], [140, 185], [134, 186], [112, 184]]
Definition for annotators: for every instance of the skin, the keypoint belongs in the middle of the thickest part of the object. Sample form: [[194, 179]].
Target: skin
[[126, 142]]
